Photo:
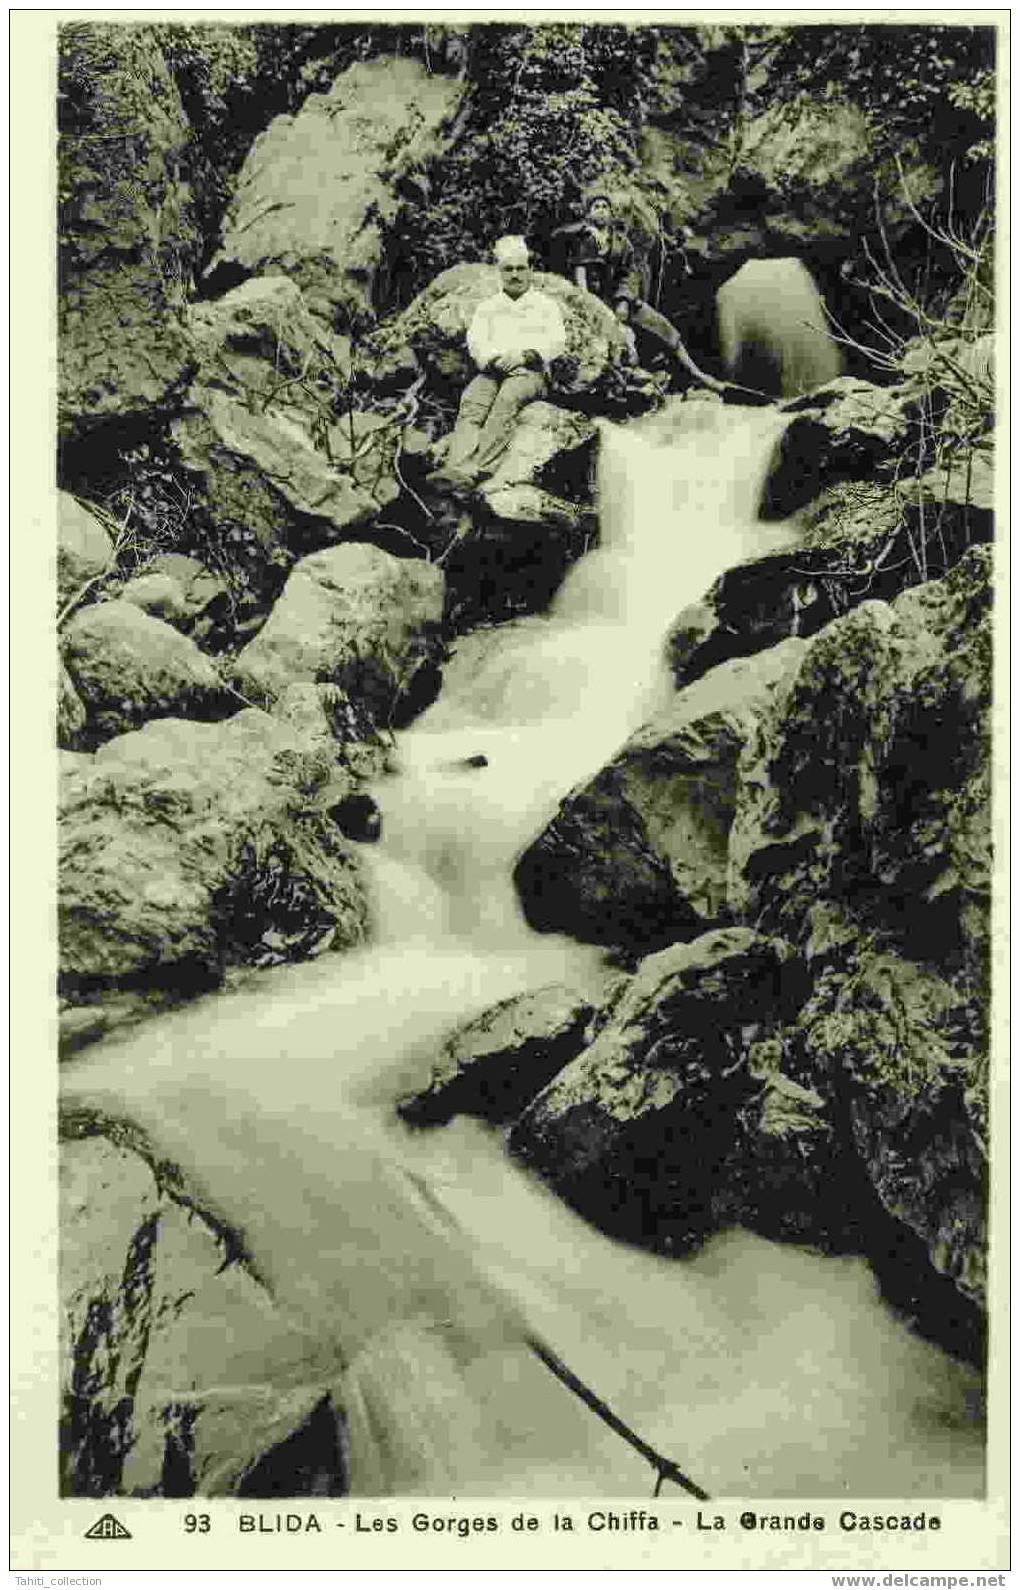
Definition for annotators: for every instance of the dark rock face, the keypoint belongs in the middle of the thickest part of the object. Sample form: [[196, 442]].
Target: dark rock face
[[748, 609], [867, 783], [866, 542], [636, 1131], [180, 1375], [638, 857], [788, 1175], [862, 835], [498, 1063], [898, 1087], [593, 873]]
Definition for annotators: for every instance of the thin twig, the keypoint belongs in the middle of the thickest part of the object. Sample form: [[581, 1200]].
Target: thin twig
[[665, 1468]]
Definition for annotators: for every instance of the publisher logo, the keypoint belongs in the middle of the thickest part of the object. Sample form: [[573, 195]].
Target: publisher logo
[[107, 1528]]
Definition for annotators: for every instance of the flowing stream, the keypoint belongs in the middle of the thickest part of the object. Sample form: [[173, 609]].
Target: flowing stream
[[424, 1260]]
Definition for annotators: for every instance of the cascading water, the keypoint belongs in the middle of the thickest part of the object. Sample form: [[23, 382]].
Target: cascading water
[[421, 1263]]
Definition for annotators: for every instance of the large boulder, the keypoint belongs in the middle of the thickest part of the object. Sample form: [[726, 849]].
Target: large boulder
[[267, 479], [188, 847], [261, 340], [636, 1131], [128, 667], [84, 548], [841, 431], [302, 211], [862, 835], [521, 490], [638, 856], [353, 616], [269, 436], [180, 1375], [496, 1065], [129, 241]]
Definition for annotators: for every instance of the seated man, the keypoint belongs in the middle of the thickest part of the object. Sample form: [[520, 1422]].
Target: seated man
[[512, 337], [602, 261]]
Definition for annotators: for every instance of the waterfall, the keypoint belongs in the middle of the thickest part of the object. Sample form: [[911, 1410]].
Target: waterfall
[[773, 331], [424, 1261]]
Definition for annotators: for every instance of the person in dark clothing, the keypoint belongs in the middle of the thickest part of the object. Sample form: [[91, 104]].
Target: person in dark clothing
[[603, 262]]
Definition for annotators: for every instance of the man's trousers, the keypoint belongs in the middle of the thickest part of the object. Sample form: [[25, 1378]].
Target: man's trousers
[[485, 418]]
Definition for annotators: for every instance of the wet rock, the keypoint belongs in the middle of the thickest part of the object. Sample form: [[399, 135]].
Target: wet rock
[[129, 237], [188, 847], [496, 1065], [84, 547], [353, 616], [499, 569], [179, 1374], [638, 856], [866, 782], [862, 835], [358, 817], [636, 1132], [842, 431], [298, 211], [128, 668], [750, 608]]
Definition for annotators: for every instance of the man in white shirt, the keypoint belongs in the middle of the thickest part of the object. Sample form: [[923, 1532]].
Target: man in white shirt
[[512, 338]]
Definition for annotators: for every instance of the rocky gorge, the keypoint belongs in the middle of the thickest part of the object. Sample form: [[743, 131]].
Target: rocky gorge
[[780, 877]]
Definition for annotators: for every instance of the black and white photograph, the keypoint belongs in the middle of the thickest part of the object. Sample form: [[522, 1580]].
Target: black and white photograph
[[523, 684]]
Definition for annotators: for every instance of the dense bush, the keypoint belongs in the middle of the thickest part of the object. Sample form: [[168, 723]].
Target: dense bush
[[555, 111]]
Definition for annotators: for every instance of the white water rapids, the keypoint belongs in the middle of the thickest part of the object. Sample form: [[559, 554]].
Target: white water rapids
[[425, 1259]]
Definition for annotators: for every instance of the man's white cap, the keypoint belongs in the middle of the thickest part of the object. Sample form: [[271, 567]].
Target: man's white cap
[[511, 251]]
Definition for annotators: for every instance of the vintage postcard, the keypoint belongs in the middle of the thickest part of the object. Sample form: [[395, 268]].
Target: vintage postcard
[[508, 1002]]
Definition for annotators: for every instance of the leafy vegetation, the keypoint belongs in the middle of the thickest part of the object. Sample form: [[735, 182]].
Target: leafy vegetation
[[555, 112]]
